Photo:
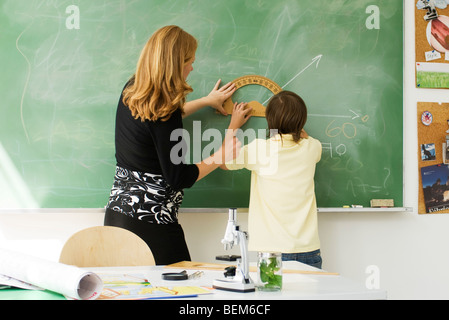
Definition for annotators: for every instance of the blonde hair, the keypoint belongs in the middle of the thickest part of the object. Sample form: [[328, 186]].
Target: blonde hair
[[158, 87]]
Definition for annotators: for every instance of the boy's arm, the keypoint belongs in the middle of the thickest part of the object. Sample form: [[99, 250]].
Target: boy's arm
[[318, 147], [240, 116]]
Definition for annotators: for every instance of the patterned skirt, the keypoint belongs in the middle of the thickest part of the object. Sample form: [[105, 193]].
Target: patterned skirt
[[144, 196]]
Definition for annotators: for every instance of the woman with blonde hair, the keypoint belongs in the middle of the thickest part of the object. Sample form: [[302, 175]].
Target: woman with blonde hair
[[148, 186]]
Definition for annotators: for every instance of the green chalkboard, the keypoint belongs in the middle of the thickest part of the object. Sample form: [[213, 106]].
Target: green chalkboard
[[64, 64]]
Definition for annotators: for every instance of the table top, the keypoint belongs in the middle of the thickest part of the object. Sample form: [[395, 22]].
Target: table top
[[295, 286]]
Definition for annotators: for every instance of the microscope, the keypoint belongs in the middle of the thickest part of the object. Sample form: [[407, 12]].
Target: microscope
[[240, 281]]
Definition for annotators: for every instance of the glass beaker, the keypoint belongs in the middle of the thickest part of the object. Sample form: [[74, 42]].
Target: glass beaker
[[269, 271]]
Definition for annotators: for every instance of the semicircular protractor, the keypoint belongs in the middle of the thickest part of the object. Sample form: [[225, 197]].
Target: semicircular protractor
[[258, 108]]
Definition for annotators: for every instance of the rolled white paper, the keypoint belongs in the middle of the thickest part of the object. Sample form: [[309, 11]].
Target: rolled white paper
[[70, 281]]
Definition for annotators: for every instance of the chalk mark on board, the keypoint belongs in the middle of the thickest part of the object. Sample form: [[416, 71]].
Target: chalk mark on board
[[26, 82], [282, 18], [352, 117], [316, 60], [388, 170]]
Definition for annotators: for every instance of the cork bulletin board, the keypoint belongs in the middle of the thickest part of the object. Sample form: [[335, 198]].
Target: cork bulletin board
[[432, 44], [433, 127]]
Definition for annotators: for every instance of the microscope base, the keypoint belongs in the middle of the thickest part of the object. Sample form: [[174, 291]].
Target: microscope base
[[234, 286]]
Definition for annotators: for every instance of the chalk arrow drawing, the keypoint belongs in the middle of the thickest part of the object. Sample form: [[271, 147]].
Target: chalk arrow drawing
[[26, 82], [354, 115], [316, 60]]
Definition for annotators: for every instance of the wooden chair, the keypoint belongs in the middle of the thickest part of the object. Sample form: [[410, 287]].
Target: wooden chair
[[106, 246]]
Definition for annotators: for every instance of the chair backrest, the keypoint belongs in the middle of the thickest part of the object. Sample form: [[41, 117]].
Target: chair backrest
[[106, 246]]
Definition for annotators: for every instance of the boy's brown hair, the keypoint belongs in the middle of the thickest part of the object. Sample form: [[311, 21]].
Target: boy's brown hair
[[287, 113]]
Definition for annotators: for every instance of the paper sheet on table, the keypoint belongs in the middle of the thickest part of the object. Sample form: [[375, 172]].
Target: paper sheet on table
[[8, 282], [70, 281], [136, 286]]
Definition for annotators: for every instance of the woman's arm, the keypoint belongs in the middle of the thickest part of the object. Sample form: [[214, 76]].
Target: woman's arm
[[231, 145], [215, 99], [228, 151]]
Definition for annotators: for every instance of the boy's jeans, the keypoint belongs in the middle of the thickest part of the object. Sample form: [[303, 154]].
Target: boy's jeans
[[312, 258]]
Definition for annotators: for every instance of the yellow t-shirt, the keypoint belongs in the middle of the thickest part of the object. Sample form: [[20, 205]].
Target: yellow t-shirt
[[282, 209]]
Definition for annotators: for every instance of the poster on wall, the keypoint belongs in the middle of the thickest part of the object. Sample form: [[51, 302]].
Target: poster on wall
[[435, 183], [432, 44]]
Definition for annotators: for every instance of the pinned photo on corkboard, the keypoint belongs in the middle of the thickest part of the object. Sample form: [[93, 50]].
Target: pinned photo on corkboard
[[428, 152], [435, 184], [432, 44]]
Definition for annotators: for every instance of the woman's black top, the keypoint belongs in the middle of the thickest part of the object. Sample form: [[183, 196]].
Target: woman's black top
[[150, 178]]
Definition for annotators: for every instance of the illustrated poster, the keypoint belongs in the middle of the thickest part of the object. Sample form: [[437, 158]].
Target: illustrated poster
[[435, 183], [432, 43]]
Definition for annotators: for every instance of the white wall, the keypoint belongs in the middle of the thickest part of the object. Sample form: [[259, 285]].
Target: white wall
[[410, 250]]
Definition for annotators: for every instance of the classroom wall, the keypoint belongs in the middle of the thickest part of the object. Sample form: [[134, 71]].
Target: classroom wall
[[409, 250]]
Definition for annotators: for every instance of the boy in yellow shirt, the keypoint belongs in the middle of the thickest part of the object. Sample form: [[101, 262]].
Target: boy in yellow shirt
[[282, 209]]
